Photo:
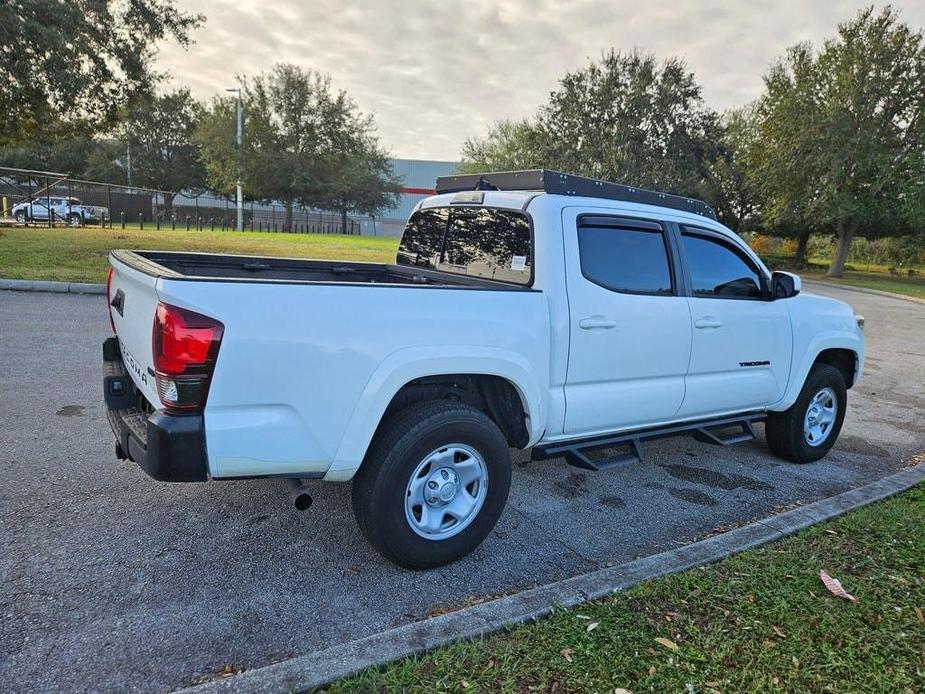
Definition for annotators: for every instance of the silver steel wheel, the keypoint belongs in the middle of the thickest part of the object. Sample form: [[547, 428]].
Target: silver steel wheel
[[446, 491], [820, 417]]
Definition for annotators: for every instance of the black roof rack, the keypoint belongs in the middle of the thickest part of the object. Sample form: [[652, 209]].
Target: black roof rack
[[558, 183]]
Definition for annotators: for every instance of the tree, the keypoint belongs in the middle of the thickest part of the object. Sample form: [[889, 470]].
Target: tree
[[304, 143], [508, 146], [841, 134], [727, 186], [79, 155], [68, 67], [626, 118], [165, 154]]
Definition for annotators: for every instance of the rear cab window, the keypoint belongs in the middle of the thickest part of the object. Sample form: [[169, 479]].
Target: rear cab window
[[485, 242]]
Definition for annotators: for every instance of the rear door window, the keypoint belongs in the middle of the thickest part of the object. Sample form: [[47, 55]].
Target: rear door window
[[627, 259], [474, 241]]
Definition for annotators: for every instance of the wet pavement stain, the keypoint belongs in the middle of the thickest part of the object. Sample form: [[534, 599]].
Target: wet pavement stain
[[571, 487], [717, 480], [612, 502], [856, 444], [71, 411], [692, 496]]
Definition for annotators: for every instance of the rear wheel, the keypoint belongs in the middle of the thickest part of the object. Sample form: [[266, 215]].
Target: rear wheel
[[808, 430], [433, 484]]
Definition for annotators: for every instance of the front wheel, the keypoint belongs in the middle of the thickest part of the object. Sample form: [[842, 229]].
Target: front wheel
[[433, 484], [808, 430], [75, 220], [20, 217]]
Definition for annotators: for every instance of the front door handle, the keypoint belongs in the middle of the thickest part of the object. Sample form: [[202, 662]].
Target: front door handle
[[597, 323], [708, 322]]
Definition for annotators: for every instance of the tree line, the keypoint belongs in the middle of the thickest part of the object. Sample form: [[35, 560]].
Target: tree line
[[84, 99], [834, 145]]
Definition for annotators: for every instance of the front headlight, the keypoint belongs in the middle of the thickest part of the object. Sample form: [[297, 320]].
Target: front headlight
[[860, 320]]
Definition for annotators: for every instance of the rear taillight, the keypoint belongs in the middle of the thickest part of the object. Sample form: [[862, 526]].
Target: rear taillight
[[185, 346], [112, 323]]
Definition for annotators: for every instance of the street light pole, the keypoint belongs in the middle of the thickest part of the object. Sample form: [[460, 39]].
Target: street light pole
[[239, 194]]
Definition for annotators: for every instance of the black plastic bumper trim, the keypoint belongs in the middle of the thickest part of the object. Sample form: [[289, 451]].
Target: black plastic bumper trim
[[170, 448]]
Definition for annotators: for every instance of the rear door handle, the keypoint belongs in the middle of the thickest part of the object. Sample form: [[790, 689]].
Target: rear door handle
[[708, 322], [597, 323]]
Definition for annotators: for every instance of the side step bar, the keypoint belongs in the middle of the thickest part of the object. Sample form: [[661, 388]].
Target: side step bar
[[714, 431]]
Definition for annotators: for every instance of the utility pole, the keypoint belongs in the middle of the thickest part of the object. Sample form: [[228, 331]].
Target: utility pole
[[239, 194], [128, 163]]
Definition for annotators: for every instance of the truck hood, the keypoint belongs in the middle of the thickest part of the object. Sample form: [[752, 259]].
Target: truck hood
[[822, 313]]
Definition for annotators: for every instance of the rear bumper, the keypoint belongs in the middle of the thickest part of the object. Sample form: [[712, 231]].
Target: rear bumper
[[170, 448]]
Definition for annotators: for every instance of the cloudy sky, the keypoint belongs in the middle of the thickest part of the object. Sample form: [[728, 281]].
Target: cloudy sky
[[434, 73]]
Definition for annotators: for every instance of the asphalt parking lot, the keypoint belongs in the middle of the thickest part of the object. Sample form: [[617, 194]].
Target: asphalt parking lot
[[110, 581]]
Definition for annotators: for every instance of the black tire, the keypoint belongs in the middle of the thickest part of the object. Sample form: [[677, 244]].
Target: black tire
[[784, 430], [75, 220], [20, 217], [402, 443]]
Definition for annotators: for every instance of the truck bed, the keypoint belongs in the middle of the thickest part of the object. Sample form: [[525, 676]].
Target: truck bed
[[245, 268]]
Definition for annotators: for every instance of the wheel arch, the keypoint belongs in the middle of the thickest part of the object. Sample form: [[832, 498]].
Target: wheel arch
[[844, 359], [492, 380], [843, 351]]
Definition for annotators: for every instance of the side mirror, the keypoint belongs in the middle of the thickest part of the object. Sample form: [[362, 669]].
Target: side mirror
[[785, 285]]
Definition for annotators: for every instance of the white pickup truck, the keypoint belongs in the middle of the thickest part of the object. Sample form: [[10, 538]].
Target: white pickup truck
[[528, 309]]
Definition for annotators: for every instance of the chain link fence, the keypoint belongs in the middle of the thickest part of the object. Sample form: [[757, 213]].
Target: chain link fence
[[44, 198]]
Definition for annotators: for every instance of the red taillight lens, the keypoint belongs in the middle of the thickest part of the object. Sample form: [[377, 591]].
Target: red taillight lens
[[112, 323], [185, 346]]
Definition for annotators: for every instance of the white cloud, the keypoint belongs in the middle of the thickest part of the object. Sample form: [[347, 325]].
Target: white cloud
[[436, 73]]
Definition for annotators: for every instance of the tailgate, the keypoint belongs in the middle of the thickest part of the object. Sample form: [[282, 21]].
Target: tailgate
[[133, 300]]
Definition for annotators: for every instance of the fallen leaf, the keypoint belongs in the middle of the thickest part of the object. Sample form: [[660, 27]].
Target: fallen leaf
[[620, 690], [592, 626], [919, 614], [834, 586], [465, 685], [712, 685], [652, 670], [667, 643], [567, 653], [582, 616], [779, 632]]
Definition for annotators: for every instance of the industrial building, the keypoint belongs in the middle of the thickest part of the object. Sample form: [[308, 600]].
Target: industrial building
[[418, 178]]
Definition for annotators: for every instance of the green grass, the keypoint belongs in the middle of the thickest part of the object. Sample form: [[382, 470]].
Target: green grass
[[909, 286], [758, 621], [80, 255], [867, 276]]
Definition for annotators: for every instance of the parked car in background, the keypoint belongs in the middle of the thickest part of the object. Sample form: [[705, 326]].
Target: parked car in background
[[65, 209], [527, 309]]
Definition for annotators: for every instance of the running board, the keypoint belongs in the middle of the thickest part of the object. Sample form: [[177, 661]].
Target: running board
[[713, 431]]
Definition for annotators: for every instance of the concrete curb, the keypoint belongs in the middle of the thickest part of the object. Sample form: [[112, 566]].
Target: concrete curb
[[865, 290], [48, 286], [322, 667]]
